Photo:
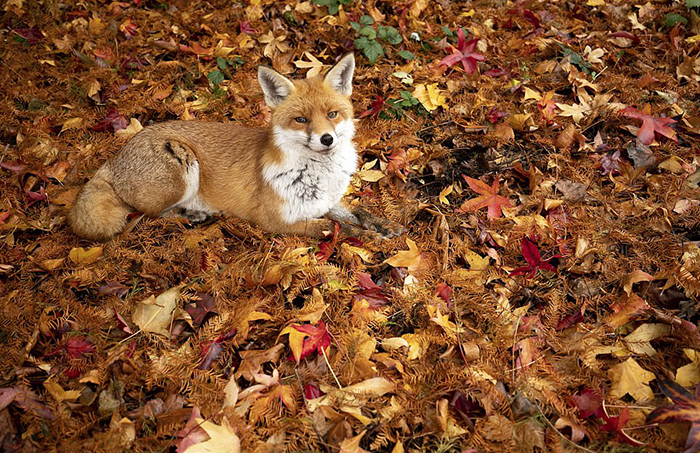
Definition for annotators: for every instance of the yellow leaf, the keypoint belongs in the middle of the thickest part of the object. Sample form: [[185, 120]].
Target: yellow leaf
[[444, 193], [575, 111], [595, 2], [296, 340], [231, 392], [370, 175], [630, 378], [639, 340], [155, 314], [429, 96], [410, 258], [352, 444], [131, 130], [72, 123], [689, 375], [371, 387], [222, 439], [55, 389], [81, 256], [315, 66], [531, 94], [392, 344]]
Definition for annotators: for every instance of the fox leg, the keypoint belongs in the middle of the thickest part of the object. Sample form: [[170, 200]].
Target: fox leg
[[348, 216]]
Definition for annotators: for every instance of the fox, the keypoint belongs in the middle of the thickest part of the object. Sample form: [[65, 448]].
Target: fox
[[288, 178]]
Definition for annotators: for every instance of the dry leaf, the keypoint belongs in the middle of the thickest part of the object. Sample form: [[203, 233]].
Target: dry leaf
[[155, 314]]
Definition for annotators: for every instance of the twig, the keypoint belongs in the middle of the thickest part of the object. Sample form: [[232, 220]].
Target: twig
[[331, 368], [306, 405]]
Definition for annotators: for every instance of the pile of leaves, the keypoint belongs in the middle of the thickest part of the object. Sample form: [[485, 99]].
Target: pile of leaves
[[542, 155]]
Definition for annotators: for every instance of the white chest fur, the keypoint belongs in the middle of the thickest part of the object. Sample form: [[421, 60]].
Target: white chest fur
[[311, 183]]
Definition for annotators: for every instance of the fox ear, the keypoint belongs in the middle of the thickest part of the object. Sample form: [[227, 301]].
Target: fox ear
[[340, 76], [275, 86]]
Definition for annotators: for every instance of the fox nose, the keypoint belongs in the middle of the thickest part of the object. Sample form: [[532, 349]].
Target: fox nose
[[327, 139]]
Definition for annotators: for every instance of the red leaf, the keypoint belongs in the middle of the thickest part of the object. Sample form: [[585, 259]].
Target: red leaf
[[650, 126], [318, 338], [464, 53], [32, 35], [370, 291], [445, 291], [212, 350], [112, 288], [327, 246], [113, 122], [246, 28], [374, 108], [489, 198], [570, 321], [77, 347], [610, 164], [15, 167], [531, 18], [534, 260], [589, 402], [625, 34], [4, 215], [36, 197], [685, 408], [311, 391], [202, 309]]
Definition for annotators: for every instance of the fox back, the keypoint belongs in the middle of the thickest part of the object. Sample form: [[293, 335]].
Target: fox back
[[281, 177]]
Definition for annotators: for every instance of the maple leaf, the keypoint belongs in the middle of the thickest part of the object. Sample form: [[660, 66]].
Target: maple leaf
[[210, 351], [202, 309], [304, 339], [113, 122], [246, 28], [534, 260], [489, 198], [685, 408], [589, 402], [429, 96], [650, 126], [370, 291], [327, 246], [464, 53], [374, 108], [610, 164]]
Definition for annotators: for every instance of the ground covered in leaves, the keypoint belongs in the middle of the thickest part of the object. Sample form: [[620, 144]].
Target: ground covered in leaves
[[542, 155]]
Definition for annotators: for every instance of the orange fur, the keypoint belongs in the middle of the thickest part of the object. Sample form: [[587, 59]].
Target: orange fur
[[218, 167]]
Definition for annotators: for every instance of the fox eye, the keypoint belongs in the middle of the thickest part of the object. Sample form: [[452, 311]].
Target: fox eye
[[300, 119], [332, 114]]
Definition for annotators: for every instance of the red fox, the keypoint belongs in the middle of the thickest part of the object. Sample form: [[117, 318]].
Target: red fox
[[283, 177]]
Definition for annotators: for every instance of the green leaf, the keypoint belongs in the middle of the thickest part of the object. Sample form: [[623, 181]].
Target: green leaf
[[369, 32], [370, 48], [390, 35], [692, 3], [222, 63], [355, 26], [672, 19], [366, 20], [449, 33], [406, 55], [216, 77]]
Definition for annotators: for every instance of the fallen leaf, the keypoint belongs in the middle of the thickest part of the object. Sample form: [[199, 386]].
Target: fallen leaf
[[489, 198], [429, 96], [685, 408], [155, 314], [81, 256], [650, 126], [410, 258], [628, 378]]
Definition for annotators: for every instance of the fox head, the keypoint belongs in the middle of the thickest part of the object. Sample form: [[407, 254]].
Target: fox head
[[313, 114]]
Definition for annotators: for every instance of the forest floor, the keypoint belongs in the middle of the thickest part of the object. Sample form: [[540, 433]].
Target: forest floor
[[543, 156]]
